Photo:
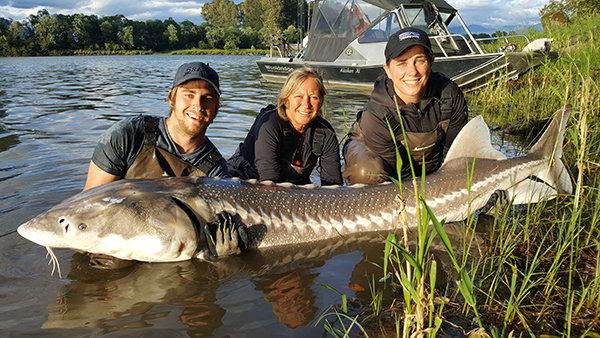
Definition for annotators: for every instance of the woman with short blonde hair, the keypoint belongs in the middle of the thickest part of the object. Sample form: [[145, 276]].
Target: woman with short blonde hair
[[287, 141], [293, 81]]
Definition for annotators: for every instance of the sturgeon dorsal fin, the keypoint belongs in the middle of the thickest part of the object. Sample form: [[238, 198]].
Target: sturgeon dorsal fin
[[474, 141]]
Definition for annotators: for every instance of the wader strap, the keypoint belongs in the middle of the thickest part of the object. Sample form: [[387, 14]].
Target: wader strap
[[317, 144], [445, 100], [287, 142], [150, 130], [383, 114], [210, 161], [318, 140]]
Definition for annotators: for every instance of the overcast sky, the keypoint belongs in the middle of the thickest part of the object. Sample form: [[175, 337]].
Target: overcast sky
[[489, 13]]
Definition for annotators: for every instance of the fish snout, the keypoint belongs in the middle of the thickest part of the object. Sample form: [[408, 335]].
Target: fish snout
[[28, 230]]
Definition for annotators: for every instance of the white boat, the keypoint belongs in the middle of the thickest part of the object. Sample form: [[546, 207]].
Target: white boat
[[347, 38]]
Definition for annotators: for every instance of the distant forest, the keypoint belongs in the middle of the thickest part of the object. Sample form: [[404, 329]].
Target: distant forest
[[252, 24], [248, 25]]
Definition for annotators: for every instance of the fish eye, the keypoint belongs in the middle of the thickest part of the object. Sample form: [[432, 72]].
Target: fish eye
[[82, 226]]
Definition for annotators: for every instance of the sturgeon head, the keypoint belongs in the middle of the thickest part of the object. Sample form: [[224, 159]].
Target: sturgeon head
[[126, 219]]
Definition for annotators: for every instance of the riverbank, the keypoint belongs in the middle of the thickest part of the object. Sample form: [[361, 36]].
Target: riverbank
[[194, 51]]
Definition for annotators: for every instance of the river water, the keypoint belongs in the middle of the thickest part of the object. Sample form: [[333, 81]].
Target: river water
[[52, 112]]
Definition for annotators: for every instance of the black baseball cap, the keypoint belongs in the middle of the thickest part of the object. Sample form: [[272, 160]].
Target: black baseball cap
[[196, 71], [405, 38]]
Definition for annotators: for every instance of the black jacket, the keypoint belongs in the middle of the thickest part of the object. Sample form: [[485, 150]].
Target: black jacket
[[423, 117], [267, 153]]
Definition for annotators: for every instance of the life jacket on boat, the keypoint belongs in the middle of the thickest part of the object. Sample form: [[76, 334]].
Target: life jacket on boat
[[154, 162]]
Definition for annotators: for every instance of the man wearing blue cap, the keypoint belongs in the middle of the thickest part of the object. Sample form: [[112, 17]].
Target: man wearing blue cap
[[432, 108], [155, 147]]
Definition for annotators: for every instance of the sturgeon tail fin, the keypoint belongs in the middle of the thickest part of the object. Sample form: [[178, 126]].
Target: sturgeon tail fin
[[549, 147]]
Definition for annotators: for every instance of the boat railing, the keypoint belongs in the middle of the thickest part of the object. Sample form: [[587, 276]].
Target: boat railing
[[505, 38], [278, 50], [458, 42]]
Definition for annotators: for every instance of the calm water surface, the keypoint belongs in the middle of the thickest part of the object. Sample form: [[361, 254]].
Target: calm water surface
[[52, 112]]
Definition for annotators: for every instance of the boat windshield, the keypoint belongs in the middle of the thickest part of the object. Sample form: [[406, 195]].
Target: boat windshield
[[433, 22], [339, 19], [382, 30], [336, 23]]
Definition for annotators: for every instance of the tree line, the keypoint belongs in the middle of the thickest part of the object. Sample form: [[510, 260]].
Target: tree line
[[251, 24]]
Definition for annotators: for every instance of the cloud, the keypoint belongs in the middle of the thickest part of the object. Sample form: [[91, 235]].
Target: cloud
[[145, 10], [133, 10], [489, 13], [495, 13], [22, 4]]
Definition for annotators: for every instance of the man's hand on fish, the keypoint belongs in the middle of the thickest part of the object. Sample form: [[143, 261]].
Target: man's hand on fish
[[226, 236]]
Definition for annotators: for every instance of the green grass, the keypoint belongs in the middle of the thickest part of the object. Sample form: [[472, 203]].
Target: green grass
[[538, 270], [194, 51], [197, 51]]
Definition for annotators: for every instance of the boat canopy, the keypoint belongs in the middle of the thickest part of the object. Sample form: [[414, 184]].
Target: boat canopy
[[336, 23], [391, 4]]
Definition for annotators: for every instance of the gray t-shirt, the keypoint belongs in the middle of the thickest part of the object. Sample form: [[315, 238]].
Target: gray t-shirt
[[121, 144]]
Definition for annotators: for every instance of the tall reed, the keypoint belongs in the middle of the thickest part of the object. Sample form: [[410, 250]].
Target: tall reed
[[541, 271]]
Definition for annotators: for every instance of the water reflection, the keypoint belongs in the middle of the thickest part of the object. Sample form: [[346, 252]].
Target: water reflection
[[7, 141], [290, 296], [103, 298], [206, 297]]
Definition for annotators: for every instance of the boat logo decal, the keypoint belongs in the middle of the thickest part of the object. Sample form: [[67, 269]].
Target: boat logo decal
[[349, 51], [408, 35], [279, 69], [349, 70]]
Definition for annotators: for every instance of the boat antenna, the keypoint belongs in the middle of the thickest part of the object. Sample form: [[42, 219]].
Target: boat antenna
[[300, 24]]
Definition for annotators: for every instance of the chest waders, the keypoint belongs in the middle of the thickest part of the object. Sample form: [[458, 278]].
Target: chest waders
[[154, 162], [301, 174], [364, 166]]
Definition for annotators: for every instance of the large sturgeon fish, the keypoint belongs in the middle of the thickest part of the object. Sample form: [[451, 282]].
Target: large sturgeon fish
[[158, 220]]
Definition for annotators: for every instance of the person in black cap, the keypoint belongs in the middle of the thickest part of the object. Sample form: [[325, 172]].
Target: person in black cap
[[155, 147], [432, 107]]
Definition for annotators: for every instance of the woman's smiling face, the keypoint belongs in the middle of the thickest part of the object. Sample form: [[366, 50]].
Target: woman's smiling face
[[302, 106], [409, 72]]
